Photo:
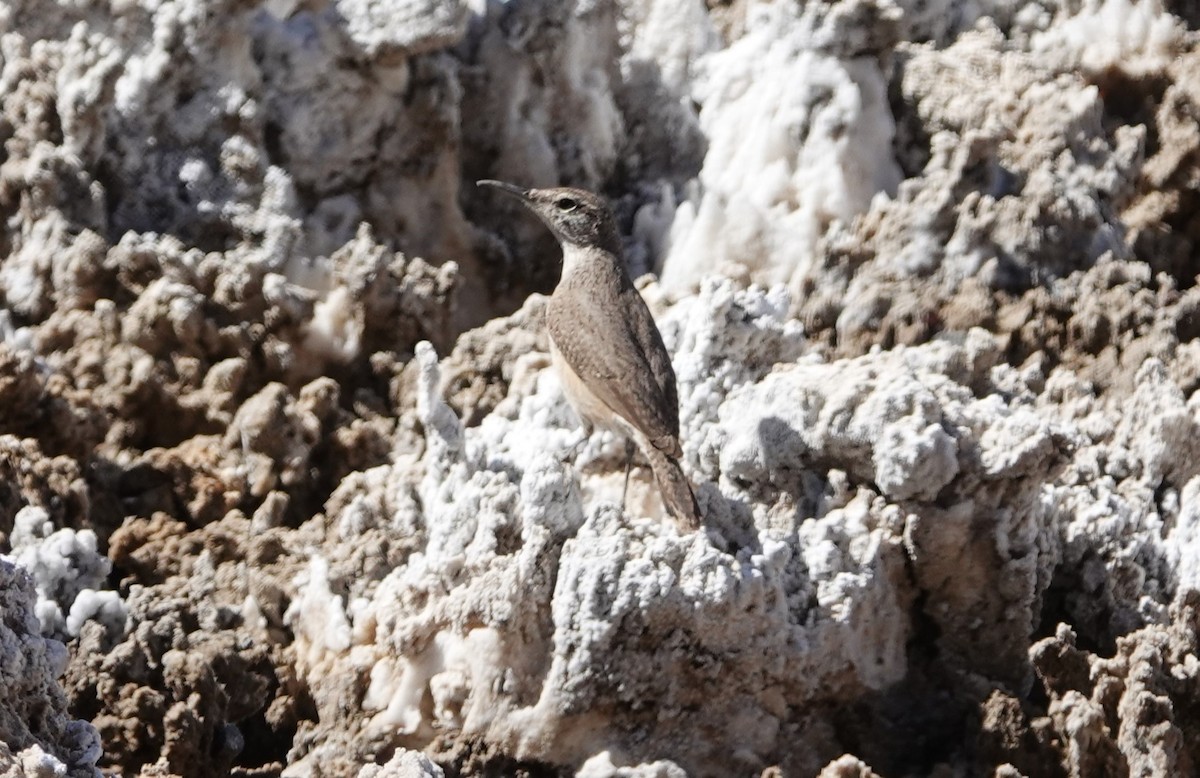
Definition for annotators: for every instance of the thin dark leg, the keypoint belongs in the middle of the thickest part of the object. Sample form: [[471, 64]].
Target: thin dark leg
[[629, 446], [585, 435]]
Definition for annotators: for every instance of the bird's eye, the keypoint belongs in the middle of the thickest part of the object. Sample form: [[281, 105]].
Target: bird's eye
[[566, 204]]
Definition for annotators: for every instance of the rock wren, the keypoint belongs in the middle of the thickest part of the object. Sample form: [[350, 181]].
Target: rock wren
[[614, 368]]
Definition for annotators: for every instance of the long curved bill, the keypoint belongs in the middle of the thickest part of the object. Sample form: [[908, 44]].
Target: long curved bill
[[511, 189]]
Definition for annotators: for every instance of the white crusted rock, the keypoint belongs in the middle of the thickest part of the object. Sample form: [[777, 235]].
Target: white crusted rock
[[69, 573], [797, 138]]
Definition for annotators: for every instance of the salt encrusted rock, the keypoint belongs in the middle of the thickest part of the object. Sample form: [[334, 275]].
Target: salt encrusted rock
[[880, 422], [1115, 713], [964, 416], [30, 478], [462, 621], [39, 737], [847, 766], [386, 29], [403, 764], [797, 137], [601, 766], [1137, 38], [68, 573], [206, 619], [961, 221]]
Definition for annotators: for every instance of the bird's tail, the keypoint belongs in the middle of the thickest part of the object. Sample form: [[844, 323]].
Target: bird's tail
[[676, 490]]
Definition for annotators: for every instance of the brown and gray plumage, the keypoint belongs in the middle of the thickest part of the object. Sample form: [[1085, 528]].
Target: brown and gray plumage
[[615, 370]]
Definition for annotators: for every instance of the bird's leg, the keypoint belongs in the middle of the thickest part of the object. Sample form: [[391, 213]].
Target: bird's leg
[[629, 447], [585, 434]]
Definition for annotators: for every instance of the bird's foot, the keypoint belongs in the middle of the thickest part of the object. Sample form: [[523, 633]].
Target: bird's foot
[[568, 456]]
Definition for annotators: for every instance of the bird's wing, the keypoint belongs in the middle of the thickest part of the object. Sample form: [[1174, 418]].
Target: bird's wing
[[623, 361], [646, 333]]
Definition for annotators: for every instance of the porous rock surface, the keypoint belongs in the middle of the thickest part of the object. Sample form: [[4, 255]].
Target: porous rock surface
[[38, 736], [283, 464]]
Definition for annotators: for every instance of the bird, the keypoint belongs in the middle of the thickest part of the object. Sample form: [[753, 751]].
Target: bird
[[613, 366]]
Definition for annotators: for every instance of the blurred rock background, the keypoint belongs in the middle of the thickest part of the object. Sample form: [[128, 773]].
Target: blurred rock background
[[282, 468]]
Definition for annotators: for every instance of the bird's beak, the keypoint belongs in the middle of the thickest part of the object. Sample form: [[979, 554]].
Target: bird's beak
[[515, 191]]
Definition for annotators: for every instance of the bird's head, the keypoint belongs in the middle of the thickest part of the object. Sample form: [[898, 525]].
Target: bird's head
[[575, 216]]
